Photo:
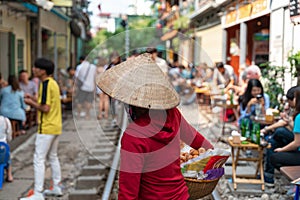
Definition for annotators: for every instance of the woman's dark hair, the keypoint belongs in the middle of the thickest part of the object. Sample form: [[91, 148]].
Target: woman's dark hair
[[247, 95], [291, 93], [114, 59], [297, 104], [136, 112], [12, 80]]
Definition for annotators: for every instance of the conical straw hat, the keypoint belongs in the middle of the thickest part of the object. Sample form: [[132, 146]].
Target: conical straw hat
[[140, 82]]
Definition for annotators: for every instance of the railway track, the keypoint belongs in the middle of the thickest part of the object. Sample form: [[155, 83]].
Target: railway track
[[97, 178]]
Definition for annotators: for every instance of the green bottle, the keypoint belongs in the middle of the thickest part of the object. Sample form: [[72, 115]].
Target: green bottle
[[231, 97], [253, 132], [258, 134], [243, 127], [247, 131]]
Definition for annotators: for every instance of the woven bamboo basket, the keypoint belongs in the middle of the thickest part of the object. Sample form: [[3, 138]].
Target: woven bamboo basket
[[200, 188]]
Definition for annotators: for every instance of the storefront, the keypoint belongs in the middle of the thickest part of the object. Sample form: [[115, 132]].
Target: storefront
[[207, 32], [246, 32], [284, 37], [14, 40]]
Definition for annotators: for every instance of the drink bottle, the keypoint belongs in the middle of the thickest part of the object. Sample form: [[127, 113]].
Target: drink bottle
[[247, 131], [257, 134], [253, 132], [243, 128]]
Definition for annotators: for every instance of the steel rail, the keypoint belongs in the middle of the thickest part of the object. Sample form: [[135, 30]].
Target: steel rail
[[113, 170]]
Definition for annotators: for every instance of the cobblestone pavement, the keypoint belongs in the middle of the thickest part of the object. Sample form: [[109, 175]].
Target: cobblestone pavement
[[73, 156]]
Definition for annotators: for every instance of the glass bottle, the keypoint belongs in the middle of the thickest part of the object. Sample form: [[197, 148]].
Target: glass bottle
[[253, 132], [247, 131], [243, 128], [257, 134], [231, 97]]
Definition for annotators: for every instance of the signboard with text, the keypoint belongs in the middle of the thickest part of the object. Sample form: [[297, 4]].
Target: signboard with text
[[63, 3]]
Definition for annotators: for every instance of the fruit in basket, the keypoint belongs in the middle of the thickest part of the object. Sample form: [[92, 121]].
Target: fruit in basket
[[201, 150], [194, 152]]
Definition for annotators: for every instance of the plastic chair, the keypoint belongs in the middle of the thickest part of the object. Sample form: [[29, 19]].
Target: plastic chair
[[4, 157]]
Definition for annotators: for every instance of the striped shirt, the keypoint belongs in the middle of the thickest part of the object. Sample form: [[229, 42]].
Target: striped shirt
[[49, 94]]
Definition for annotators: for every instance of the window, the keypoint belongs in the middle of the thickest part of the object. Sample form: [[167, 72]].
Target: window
[[20, 55]]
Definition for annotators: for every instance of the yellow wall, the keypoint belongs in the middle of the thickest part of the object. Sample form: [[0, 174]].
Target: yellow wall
[[211, 42], [18, 25]]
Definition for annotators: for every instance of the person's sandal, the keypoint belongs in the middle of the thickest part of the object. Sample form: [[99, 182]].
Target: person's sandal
[[9, 180]]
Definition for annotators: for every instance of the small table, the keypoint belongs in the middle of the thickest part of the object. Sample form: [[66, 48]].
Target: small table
[[249, 179], [225, 106], [293, 174], [203, 95]]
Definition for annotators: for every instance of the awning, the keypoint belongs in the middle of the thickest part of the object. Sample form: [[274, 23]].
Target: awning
[[204, 9], [169, 35], [24, 8]]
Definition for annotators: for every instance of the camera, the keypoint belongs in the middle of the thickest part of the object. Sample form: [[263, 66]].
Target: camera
[[259, 96]]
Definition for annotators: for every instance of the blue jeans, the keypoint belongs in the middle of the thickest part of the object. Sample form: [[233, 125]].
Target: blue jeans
[[281, 137]]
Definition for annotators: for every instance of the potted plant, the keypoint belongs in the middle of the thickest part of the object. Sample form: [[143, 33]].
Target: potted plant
[[294, 60], [273, 81]]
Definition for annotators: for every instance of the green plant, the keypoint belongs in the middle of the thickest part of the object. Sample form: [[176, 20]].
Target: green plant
[[273, 79], [294, 60], [181, 23]]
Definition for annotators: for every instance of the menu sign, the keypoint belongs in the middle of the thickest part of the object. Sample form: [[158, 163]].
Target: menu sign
[[294, 8]]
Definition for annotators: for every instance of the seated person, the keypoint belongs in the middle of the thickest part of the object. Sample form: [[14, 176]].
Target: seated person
[[224, 75], [27, 86], [30, 91], [251, 72], [203, 74], [250, 100], [289, 155], [12, 103], [282, 135], [5, 136]]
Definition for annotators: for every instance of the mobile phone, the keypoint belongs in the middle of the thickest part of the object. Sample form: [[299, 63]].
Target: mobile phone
[[259, 96]]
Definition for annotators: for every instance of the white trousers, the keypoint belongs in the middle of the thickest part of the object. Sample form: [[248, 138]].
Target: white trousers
[[45, 145]]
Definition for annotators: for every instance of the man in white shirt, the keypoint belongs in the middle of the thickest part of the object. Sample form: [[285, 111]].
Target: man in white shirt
[[224, 75], [85, 94]]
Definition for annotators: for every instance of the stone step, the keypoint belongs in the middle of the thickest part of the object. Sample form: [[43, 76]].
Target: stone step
[[110, 133], [86, 182], [104, 138], [240, 170], [102, 151], [109, 129], [101, 145], [90, 194], [91, 170], [96, 160]]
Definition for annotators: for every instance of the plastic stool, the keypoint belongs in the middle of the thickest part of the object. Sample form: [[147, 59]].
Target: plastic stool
[[4, 157]]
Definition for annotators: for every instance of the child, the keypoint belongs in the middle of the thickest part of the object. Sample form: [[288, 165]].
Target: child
[[5, 136]]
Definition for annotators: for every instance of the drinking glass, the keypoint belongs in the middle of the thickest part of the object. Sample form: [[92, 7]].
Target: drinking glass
[[257, 110]]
